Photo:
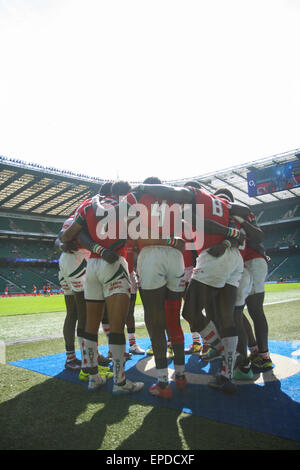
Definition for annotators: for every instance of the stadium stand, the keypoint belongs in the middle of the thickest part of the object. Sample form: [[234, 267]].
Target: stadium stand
[[35, 200]]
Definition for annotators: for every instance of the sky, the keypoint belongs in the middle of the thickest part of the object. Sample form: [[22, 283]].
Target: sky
[[126, 89]]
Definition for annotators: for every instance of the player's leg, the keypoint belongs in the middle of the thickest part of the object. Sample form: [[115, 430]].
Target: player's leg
[[69, 327], [89, 343], [155, 319], [208, 276], [117, 298], [228, 328], [242, 369], [71, 316], [226, 304], [175, 288], [252, 343], [196, 346], [188, 315], [134, 348], [201, 298], [256, 311], [94, 298], [192, 310], [81, 309], [255, 302], [117, 309], [175, 334]]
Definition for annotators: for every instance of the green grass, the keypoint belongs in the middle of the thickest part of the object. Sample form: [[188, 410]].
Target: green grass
[[38, 412], [28, 305]]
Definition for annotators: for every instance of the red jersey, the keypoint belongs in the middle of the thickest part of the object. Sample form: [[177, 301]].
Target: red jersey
[[189, 236], [216, 209], [253, 251], [250, 253], [103, 230], [161, 219], [130, 251]]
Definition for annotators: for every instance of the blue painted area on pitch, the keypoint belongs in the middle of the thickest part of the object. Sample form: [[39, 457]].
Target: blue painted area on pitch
[[271, 407]]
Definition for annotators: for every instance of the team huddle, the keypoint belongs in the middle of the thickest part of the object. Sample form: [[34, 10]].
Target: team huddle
[[190, 253]]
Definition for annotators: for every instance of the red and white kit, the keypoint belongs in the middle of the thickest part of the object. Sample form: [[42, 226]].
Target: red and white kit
[[72, 266], [227, 268]]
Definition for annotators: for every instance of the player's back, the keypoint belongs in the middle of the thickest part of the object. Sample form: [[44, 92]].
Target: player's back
[[215, 209], [161, 219], [104, 228]]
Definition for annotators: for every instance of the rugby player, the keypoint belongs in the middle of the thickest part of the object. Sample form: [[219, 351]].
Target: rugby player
[[107, 284], [213, 273], [251, 294], [72, 269], [161, 276], [71, 275], [121, 188]]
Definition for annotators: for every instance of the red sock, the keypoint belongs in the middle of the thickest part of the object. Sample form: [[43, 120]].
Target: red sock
[[172, 309]]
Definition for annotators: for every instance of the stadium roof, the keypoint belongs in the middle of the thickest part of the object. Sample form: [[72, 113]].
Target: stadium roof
[[235, 179], [27, 188]]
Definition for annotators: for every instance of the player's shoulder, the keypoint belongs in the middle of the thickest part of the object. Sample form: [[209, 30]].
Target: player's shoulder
[[83, 204], [83, 207], [68, 222], [139, 197]]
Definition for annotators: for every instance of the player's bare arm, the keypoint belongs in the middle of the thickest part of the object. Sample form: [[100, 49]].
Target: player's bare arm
[[68, 247], [71, 232], [88, 243], [213, 227], [237, 209], [176, 194], [253, 232]]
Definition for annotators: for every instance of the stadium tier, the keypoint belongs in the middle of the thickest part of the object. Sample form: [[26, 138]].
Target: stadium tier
[[28, 256], [35, 200]]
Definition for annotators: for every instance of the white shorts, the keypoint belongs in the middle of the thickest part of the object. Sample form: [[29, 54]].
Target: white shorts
[[258, 267], [253, 280], [159, 266], [104, 279], [72, 270], [65, 284], [216, 272]]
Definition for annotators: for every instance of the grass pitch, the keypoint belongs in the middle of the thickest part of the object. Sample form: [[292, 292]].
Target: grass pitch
[[38, 412]]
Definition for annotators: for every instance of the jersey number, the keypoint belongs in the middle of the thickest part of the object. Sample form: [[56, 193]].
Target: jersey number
[[217, 208]]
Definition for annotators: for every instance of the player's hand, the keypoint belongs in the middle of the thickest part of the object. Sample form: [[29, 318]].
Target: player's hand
[[110, 256], [242, 237], [217, 250], [68, 247]]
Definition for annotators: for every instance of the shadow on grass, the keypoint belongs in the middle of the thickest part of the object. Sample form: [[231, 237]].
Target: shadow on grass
[[59, 415]]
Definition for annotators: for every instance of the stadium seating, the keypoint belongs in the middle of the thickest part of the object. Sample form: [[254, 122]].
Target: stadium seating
[[280, 223], [278, 213], [22, 279], [28, 225], [284, 268], [20, 276]]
